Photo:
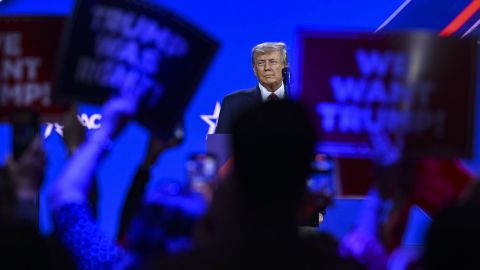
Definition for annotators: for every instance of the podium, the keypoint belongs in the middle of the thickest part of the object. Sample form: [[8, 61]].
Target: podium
[[220, 146]]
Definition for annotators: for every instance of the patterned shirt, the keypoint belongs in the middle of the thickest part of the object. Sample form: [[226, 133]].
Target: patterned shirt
[[89, 246]]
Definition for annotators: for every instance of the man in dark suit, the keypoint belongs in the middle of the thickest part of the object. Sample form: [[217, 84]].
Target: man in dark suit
[[268, 61]]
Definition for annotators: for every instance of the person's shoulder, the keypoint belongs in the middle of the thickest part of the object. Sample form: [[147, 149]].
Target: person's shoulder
[[242, 93]]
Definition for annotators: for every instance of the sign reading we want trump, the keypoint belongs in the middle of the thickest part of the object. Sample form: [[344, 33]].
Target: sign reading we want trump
[[28, 55], [388, 93]]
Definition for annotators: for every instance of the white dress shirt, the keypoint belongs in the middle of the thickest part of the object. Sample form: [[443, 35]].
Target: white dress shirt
[[280, 92]]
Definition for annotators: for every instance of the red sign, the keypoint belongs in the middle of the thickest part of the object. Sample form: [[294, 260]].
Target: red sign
[[440, 183], [28, 50], [383, 93]]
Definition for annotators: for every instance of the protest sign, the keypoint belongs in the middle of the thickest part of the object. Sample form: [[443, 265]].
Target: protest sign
[[28, 55], [371, 94], [115, 47]]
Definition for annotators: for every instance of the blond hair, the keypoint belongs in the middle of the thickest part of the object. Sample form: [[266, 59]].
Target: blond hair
[[268, 47]]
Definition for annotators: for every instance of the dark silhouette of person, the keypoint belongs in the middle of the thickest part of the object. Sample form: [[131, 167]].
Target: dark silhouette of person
[[454, 233], [21, 244], [160, 224], [252, 220]]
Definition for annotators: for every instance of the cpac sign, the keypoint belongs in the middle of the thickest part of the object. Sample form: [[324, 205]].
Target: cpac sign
[[386, 92], [90, 122]]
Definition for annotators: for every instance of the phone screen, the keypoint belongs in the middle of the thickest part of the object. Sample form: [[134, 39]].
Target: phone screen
[[321, 190], [201, 170], [322, 177]]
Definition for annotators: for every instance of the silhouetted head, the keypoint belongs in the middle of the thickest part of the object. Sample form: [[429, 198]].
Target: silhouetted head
[[22, 247], [273, 147], [451, 239]]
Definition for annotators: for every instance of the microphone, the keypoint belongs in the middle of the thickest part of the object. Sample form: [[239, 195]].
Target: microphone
[[286, 74]]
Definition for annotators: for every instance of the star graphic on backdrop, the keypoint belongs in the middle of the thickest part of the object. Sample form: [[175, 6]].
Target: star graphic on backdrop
[[211, 120], [49, 129]]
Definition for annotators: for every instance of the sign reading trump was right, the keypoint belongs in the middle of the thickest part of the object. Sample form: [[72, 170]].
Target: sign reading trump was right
[[406, 93], [114, 47]]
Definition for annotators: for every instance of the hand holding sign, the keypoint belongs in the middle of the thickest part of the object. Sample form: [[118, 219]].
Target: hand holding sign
[[117, 111]]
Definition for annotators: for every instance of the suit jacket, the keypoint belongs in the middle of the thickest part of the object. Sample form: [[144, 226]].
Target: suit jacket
[[235, 104]]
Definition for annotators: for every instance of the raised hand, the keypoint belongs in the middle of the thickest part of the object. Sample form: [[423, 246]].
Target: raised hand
[[73, 131], [27, 172]]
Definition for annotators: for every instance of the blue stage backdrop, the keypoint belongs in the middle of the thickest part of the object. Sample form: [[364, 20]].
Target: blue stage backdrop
[[238, 26]]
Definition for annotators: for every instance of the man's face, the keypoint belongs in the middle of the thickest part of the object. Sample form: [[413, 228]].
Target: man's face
[[268, 69]]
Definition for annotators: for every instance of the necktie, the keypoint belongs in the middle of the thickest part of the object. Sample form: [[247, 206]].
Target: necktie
[[272, 98]]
